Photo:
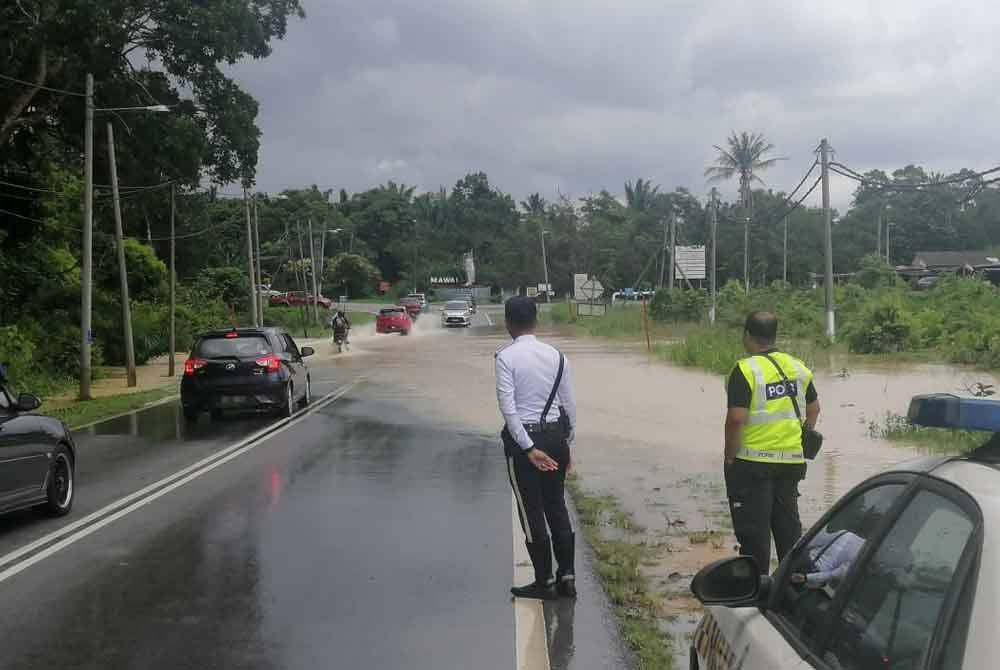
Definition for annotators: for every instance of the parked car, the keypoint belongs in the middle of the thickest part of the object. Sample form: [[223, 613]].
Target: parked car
[[37, 456], [295, 298], [412, 306], [266, 291], [421, 297], [456, 313], [925, 283], [393, 320], [245, 369], [902, 572]]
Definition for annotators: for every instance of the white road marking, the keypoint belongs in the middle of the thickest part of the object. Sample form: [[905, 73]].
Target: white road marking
[[488, 319], [531, 647], [102, 517]]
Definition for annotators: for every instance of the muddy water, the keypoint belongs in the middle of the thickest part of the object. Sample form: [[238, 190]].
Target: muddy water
[[651, 434]]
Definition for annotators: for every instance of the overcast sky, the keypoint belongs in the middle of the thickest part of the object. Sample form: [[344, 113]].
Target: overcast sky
[[574, 96]]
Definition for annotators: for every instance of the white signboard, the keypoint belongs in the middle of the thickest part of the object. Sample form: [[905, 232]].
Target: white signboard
[[545, 288], [530, 291], [690, 263], [578, 281], [592, 290]]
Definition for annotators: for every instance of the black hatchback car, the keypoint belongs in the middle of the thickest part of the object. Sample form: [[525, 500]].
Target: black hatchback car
[[245, 369], [37, 456]]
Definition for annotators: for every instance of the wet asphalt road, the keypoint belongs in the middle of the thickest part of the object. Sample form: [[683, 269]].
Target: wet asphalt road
[[362, 535]]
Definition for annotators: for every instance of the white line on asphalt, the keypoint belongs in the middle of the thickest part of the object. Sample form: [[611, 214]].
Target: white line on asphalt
[[531, 647], [488, 319], [147, 494]]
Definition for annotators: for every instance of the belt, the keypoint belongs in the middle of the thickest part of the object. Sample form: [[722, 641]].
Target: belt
[[539, 427]]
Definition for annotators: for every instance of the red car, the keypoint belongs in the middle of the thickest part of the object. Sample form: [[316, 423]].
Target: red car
[[296, 298], [393, 320]]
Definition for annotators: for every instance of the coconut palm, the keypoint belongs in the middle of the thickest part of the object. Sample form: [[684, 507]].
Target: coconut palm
[[642, 196], [745, 158]]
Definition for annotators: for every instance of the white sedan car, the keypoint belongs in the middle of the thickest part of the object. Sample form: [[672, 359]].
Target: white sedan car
[[902, 573], [456, 313]]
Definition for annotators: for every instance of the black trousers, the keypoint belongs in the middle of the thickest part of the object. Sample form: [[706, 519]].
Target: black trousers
[[764, 500], [540, 495]]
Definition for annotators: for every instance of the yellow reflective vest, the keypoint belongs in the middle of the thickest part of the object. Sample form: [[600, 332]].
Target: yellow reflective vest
[[773, 432]]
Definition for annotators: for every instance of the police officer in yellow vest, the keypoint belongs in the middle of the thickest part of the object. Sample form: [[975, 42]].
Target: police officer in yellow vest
[[764, 460]]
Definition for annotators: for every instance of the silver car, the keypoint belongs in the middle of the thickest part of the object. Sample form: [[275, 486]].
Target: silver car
[[456, 313], [903, 572]]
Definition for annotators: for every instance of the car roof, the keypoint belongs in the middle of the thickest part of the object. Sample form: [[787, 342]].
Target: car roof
[[221, 332], [978, 472]]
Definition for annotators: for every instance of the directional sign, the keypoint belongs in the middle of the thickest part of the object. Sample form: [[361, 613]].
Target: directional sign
[[592, 289]]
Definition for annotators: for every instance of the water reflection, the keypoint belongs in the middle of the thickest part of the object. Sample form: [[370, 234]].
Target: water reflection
[[559, 631]]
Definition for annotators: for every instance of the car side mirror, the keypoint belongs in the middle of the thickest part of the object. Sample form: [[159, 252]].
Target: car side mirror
[[730, 582], [28, 403], [307, 351]]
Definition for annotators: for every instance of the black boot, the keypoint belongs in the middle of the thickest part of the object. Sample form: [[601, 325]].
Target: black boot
[[563, 545], [541, 560]]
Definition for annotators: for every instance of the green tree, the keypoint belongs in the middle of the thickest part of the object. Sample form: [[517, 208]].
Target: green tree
[[354, 274], [745, 157]]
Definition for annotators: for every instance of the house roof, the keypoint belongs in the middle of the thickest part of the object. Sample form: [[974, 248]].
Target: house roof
[[954, 259]]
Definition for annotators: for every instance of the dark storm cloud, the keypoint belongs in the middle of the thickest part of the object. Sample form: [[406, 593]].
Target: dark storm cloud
[[576, 96]]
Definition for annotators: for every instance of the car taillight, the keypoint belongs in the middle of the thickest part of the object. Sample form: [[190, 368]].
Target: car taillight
[[192, 364], [232, 334], [271, 362]]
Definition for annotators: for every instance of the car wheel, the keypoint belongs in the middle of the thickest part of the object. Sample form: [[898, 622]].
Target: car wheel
[[404, 332], [191, 413], [289, 407], [307, 397], [60, 490]]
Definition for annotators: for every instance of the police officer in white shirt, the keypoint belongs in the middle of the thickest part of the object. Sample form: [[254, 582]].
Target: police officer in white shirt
[[536, 400]]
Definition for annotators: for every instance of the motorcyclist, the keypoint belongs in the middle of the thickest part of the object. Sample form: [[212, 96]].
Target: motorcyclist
[[341, 325]]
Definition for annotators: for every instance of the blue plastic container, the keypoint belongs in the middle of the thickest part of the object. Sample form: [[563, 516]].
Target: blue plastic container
[[945, 410]]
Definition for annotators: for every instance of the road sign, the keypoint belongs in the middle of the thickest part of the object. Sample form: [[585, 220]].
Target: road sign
[[578, 281], [690, 263], [592, 289], [531, 291]]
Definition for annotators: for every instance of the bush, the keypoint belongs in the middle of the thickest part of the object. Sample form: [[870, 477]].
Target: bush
[[678, 305], [352, 271], [881, 327]]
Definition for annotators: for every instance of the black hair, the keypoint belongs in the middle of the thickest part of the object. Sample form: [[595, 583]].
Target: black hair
[[762, 326], [520, 312]]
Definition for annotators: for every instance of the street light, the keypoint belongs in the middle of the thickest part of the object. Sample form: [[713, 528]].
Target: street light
[[87, 267]]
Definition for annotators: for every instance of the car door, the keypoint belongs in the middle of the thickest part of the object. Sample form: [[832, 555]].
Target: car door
[[784, 634], [23, 453], [295, 364]]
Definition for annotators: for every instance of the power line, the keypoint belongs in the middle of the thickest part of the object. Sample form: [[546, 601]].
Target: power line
[[850, 173], [39, 86], [31, 188], [194, 234], [21, 216]]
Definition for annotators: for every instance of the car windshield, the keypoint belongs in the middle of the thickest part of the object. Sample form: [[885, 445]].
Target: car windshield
[[456, 306], [391, 311], [242, 346]]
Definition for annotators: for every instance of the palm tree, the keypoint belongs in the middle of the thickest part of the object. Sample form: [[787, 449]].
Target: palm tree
[[642, 196], [744, 158]]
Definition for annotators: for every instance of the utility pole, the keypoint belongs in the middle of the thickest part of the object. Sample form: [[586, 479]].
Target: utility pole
[[888, 226], [784, 254], [260, 272], [87, 264], [173, 285], [315, 288], [663, 254], [715, 224], [673, 251], [545, 268], [878, 234], [253, 288], [122, 271], [824, 149]]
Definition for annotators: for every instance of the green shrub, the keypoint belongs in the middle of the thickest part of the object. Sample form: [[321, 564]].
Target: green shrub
[[678, 305], [881, 327]]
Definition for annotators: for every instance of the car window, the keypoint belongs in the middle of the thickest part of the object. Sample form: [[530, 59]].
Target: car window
[[227, 346], [456, 305], [290, 347], [817, 568], [390, 311], [4, 401], [892, 613]]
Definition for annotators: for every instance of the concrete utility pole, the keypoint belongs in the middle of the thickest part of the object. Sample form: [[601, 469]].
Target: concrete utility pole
[[888, 226], [253, 287], [784, 254], [260, 272], [715, 225], [663, 253], [824, 148], [746, 254], [87, 264], [315, 287], [173, 286], [673, 251], [545, 267], [122, 271], [878, 233]]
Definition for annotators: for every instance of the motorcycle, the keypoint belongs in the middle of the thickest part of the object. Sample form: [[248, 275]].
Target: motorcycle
[[340, 340]]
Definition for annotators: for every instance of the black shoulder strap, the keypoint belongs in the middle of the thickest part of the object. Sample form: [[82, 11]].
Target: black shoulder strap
[[555, 389], [795, 401]]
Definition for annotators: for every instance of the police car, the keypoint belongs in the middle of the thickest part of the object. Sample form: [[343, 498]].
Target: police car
[[902, 573]]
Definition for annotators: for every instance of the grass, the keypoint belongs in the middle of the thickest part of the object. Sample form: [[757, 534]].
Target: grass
[[76, 413], [897, 428], [617, 563], [712, 349]]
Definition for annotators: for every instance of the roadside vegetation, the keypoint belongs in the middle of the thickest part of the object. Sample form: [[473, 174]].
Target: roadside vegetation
[[618, 562], [896, 428]]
